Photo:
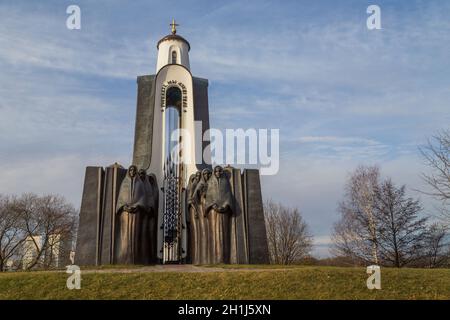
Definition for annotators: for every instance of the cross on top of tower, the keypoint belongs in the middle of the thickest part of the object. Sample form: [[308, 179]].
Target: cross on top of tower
[[173, 36], [174, 26]]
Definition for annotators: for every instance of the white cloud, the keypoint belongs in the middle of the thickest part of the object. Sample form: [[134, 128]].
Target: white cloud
[[62, 175], [40, 40], [322, 240], [335, 140]]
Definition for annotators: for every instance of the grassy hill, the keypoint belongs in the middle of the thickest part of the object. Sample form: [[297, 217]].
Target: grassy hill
[[229, 282]]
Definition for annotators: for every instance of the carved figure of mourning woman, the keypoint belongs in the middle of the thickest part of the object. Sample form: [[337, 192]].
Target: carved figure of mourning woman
[[203, 256], [218, 206], [194, 245], [136, 207]]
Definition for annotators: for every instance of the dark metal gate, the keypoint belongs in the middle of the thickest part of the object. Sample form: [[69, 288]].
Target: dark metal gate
[[172, 219]]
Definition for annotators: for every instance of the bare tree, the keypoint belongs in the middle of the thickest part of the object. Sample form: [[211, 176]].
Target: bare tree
[[48, 223], [349, 243], [437, 156], [436, 249], [401, 230], [287, 233], [12, 236], [355, 234]]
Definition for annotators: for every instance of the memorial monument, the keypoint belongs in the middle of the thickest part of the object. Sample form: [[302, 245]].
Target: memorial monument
[[161, 209]]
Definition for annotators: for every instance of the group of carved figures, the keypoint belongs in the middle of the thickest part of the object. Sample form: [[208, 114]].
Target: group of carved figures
[[136, 218], [209, 203]]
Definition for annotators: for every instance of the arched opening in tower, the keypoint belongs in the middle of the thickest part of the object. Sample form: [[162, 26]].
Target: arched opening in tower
[[172, 177]]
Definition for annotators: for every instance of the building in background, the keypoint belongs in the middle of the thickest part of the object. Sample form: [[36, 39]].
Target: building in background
[[51, 255]]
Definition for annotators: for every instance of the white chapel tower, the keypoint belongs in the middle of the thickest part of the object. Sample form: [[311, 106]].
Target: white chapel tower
[[178, 100]]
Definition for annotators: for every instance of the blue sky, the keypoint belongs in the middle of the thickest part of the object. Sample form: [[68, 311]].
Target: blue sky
[[341, 95]]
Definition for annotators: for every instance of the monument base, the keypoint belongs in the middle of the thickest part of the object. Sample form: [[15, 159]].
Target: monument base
[[97, 231]]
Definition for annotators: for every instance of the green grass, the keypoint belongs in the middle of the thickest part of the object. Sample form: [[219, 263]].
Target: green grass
[[297, 282], [255, 266], [112, 267]]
